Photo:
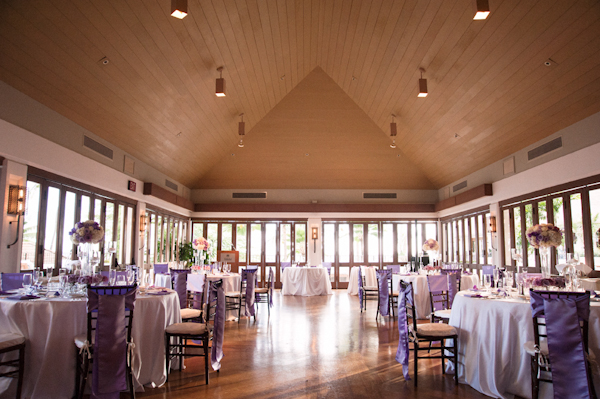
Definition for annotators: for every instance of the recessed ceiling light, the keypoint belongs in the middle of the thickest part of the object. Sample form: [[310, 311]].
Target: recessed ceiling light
[[178, 134], [282, 77], [233, 155], [104, 61], [306, 154]]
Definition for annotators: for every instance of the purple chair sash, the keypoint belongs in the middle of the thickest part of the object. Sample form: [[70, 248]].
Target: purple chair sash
[[248, 276], [216, 354], [565, 342], [271, 287], [110, 347], [437, 284], [384, 295], [454, 276], [161, 268], [12, 281], [179, 278], [394, 268], [405, 297], [360, 286]]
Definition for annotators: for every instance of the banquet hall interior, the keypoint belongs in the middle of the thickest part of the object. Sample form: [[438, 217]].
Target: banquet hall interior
[[324, 153]]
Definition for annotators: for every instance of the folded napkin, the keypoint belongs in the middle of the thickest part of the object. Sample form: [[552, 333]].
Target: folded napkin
[[158, 292], [6, 292], [467, 273], [473, 295], [19, 297]]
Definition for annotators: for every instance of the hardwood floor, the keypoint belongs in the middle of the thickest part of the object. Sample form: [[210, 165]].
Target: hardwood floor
[[311, 347]]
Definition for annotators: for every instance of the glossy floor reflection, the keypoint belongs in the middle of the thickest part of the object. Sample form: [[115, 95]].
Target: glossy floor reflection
[[311, 347]]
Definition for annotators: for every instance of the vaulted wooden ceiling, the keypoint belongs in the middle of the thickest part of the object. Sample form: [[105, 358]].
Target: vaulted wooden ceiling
[[490, 93]]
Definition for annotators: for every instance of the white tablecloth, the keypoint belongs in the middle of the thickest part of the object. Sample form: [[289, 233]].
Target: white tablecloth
[[370, 278], [231, 282], [491, 334], [305, 281], [590, 284], [421, 290], [50, 326], [163, 280]]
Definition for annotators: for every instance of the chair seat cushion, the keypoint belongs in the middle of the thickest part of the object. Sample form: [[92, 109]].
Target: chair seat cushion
[[395, 295], [187, 328], [435, 330], [529, 347], [80, 340], [261, 290], [443, 314], [370, 288], [10, 339], [232, 293], [188, 313]]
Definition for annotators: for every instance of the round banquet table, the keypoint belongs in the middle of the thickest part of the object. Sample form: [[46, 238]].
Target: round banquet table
[[421, 289], [231, 283], [50, 326], [491, 334], [163, 280], [306, 281], [370, 278]]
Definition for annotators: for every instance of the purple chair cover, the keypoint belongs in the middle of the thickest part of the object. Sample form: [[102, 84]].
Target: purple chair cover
[[249, 277], [271, 287], [406, 297], [360, 286], [161, 268], [327, 265], [565, 342], [284, 265], [437, 284], [12, 281], [454, 276], [394, 268], [384, 295], [179, 280], [109, 369], [216, 354]]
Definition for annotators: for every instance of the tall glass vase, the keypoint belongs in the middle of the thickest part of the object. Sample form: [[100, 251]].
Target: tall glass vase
[[84, 252], [545, 261]]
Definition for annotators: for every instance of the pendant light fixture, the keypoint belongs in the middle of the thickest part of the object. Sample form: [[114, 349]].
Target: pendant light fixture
[[241, 130], [422, 85], [220, 87], [483, 10], [393, 132], [179, 8]]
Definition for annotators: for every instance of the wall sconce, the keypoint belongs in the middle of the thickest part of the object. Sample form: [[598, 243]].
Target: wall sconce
[[315, 237], [493, 224], [16, 206], [143, 223]]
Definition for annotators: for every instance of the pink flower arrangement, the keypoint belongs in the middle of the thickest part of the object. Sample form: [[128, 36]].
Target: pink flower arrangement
[[201, 244], [544, 235], [431, 245]]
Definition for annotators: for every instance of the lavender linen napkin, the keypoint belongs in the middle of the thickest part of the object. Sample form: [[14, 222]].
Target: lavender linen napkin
[[22, 297]]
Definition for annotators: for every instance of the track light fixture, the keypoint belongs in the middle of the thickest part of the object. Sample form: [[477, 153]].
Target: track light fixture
[[179, 8], [241, 130], [220, 87], [483, 10], [393, 132], [422, 85]]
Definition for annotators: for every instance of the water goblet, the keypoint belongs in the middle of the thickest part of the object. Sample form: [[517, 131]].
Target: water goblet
[[27, 282], [36, 276], [121, 280], [130, 275], [496, 273], [487, 281], [112, 277], [148, 279], [64, 285], [509, 280]]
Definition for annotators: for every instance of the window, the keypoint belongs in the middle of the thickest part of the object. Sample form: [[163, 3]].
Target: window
[[164, 234], [469, 241]]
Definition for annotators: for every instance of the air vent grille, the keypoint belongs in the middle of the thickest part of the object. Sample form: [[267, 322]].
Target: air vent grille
[[544, 148], [459, 186], [379, 195], [249, 195], [97, 147], [171, 185]]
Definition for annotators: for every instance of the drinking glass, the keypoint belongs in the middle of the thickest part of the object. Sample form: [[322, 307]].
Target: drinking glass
[[27, 281], [62, 271], [496, 273], [36, 277], [130, 275], [509, 280], [121, 280], [148, 279], [112, 277], [487, 281], [64, 285]]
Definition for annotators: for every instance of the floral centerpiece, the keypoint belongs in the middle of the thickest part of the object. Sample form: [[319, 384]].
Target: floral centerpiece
[[431, 245], [542, 237], [537, 282], [201, 245], [87, 232]]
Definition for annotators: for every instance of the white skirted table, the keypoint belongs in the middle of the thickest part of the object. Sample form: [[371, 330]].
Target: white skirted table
[[306, 281], [50, 326], [421, 290], [370, 278], [231, 283], [491, 334]]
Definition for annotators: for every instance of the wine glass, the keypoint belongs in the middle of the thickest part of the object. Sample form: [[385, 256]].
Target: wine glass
[[496, 273], [487, 281], [36, 276], [27, 281], [509, 280], [112, 277], [64, 284], [148, 279], [130, 275], [121, 280]]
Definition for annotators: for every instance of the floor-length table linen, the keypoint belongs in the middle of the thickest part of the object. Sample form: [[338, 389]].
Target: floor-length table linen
[[50, 326], [370, 278], [491, 334], [305, 281], [421, 289]]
